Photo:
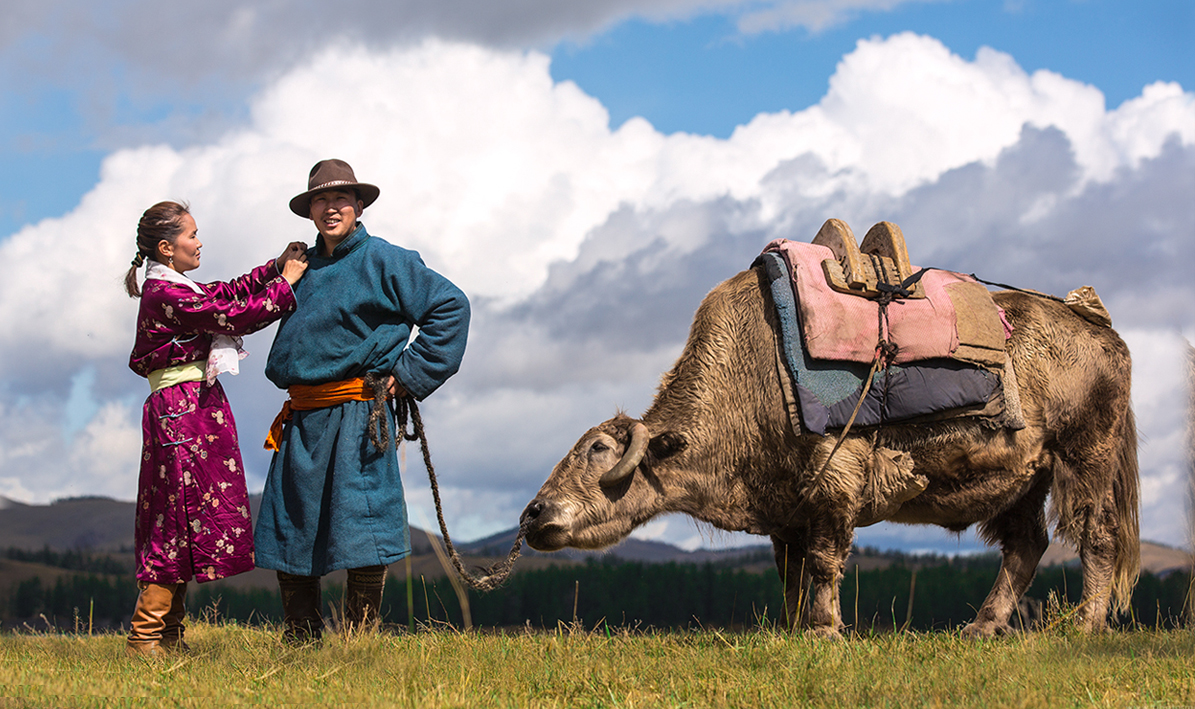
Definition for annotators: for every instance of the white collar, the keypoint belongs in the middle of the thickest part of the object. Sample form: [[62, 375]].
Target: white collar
[[155, 270], [225, 352]]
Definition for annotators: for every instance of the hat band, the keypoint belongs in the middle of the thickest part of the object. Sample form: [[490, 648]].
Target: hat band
[[333, 183]]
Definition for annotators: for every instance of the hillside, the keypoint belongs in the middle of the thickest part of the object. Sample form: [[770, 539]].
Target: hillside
[[97, 524], [1155, 558], [103, 526]]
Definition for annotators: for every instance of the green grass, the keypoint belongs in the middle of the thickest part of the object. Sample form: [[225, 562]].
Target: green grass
[[234, 664]]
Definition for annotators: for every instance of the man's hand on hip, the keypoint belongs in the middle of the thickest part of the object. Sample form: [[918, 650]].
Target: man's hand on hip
[[394, 389]]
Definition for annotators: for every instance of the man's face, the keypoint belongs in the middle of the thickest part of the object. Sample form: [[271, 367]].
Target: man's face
[[335, 214]]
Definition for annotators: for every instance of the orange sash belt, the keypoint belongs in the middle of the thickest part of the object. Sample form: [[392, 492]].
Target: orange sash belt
[[305, 397]]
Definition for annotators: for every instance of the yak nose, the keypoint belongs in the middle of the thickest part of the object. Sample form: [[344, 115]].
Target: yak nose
[[533, 510]]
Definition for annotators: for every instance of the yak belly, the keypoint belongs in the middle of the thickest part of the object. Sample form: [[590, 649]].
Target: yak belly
[[968, 483]]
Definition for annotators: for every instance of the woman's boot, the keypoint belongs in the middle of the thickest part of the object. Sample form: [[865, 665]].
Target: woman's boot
[[301, 621], [172, 633], [364, 597], [149, 619]]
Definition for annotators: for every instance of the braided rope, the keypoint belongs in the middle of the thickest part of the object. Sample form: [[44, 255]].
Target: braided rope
[[491, 577], [379, 429]]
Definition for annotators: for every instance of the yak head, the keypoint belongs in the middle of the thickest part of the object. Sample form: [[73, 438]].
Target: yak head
[[604, 488]]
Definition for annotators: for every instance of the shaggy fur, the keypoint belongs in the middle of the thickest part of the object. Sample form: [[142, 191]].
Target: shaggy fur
[[724, 451]]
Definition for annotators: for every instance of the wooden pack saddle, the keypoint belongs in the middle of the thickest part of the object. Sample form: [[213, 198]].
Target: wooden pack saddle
[[860, 269]]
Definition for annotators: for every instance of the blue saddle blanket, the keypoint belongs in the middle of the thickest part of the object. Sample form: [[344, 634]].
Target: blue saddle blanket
[[827, 391]]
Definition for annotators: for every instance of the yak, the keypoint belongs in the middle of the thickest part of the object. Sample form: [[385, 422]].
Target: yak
[[718, 443]]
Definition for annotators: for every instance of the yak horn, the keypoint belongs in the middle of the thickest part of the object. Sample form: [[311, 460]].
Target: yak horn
[[630, 459]]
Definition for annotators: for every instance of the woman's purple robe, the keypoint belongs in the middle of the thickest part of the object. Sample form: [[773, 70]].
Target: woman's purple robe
[[192, 504]]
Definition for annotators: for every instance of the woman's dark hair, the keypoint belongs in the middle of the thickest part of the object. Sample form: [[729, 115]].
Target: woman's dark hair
[[161, 222]]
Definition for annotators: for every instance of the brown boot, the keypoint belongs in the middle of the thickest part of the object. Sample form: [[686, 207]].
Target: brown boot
[[172, 633], [363, 600], [153, 604], [301, 602]]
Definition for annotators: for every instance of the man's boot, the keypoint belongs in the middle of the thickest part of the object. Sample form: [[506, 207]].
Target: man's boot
[[301, 621], [364, 597], [149, 619], [172, 633]]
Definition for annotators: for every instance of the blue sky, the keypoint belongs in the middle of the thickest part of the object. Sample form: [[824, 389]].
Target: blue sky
[[703, 76], [533, 151]]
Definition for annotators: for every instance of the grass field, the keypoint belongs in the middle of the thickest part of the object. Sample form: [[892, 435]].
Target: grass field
[[573, 667]]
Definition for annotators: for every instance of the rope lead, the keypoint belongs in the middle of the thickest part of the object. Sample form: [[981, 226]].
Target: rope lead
[[495, 575]]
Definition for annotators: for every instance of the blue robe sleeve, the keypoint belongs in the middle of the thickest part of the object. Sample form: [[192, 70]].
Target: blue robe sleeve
[[441, 311]]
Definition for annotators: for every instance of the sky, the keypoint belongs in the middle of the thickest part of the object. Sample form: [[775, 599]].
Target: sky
[[586, 172]]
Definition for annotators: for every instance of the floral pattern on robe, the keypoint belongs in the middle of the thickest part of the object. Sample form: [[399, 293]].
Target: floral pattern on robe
[[192, 504]]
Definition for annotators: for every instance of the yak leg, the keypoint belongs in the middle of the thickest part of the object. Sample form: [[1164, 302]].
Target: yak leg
[[1097, 552], [810, 565], [1023, 537], [791, 566]]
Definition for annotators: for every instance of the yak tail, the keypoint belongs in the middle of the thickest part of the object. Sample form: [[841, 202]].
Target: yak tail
[[1126, 497], [1080, 511]]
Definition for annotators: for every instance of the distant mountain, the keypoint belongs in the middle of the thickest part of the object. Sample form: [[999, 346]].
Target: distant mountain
[[1155, 558], [105, 526], [97, 524], [94, 524], [630, 549]]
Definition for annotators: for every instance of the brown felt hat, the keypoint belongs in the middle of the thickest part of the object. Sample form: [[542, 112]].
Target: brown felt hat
[[331, 175]]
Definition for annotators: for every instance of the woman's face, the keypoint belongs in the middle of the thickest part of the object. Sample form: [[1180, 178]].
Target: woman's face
[[183, 254]]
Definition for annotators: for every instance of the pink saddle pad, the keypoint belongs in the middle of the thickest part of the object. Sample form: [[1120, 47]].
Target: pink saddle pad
[[843, 327]]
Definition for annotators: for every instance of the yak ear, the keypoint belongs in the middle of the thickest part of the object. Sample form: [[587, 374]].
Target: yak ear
[[666, 445]]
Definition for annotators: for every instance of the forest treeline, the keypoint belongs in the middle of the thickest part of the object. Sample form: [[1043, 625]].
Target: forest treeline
[[944, 594], [72, 560]]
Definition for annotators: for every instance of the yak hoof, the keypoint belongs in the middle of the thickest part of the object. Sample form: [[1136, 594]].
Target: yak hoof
[[1093, 625], [824, 632], [989, 629]]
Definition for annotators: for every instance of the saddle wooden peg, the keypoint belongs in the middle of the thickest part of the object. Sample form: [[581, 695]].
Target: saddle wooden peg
[[847, 272], [886, 241], [860, 269]]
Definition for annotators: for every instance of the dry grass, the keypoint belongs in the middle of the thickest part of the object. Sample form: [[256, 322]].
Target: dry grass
[[572, 667]]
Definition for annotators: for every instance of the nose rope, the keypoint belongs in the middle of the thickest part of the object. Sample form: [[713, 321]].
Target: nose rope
[[493, 576]]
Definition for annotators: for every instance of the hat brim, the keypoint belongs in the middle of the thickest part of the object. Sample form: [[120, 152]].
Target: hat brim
[[301, 204]]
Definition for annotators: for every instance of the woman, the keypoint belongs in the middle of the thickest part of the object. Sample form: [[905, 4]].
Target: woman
[[192, 504]]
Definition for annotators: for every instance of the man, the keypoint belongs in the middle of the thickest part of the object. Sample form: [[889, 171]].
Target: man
[[333, 497]]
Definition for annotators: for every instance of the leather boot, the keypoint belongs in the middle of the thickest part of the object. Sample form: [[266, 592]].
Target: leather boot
[[145, 633], [301, 621], [172, 633], [363, 601]]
